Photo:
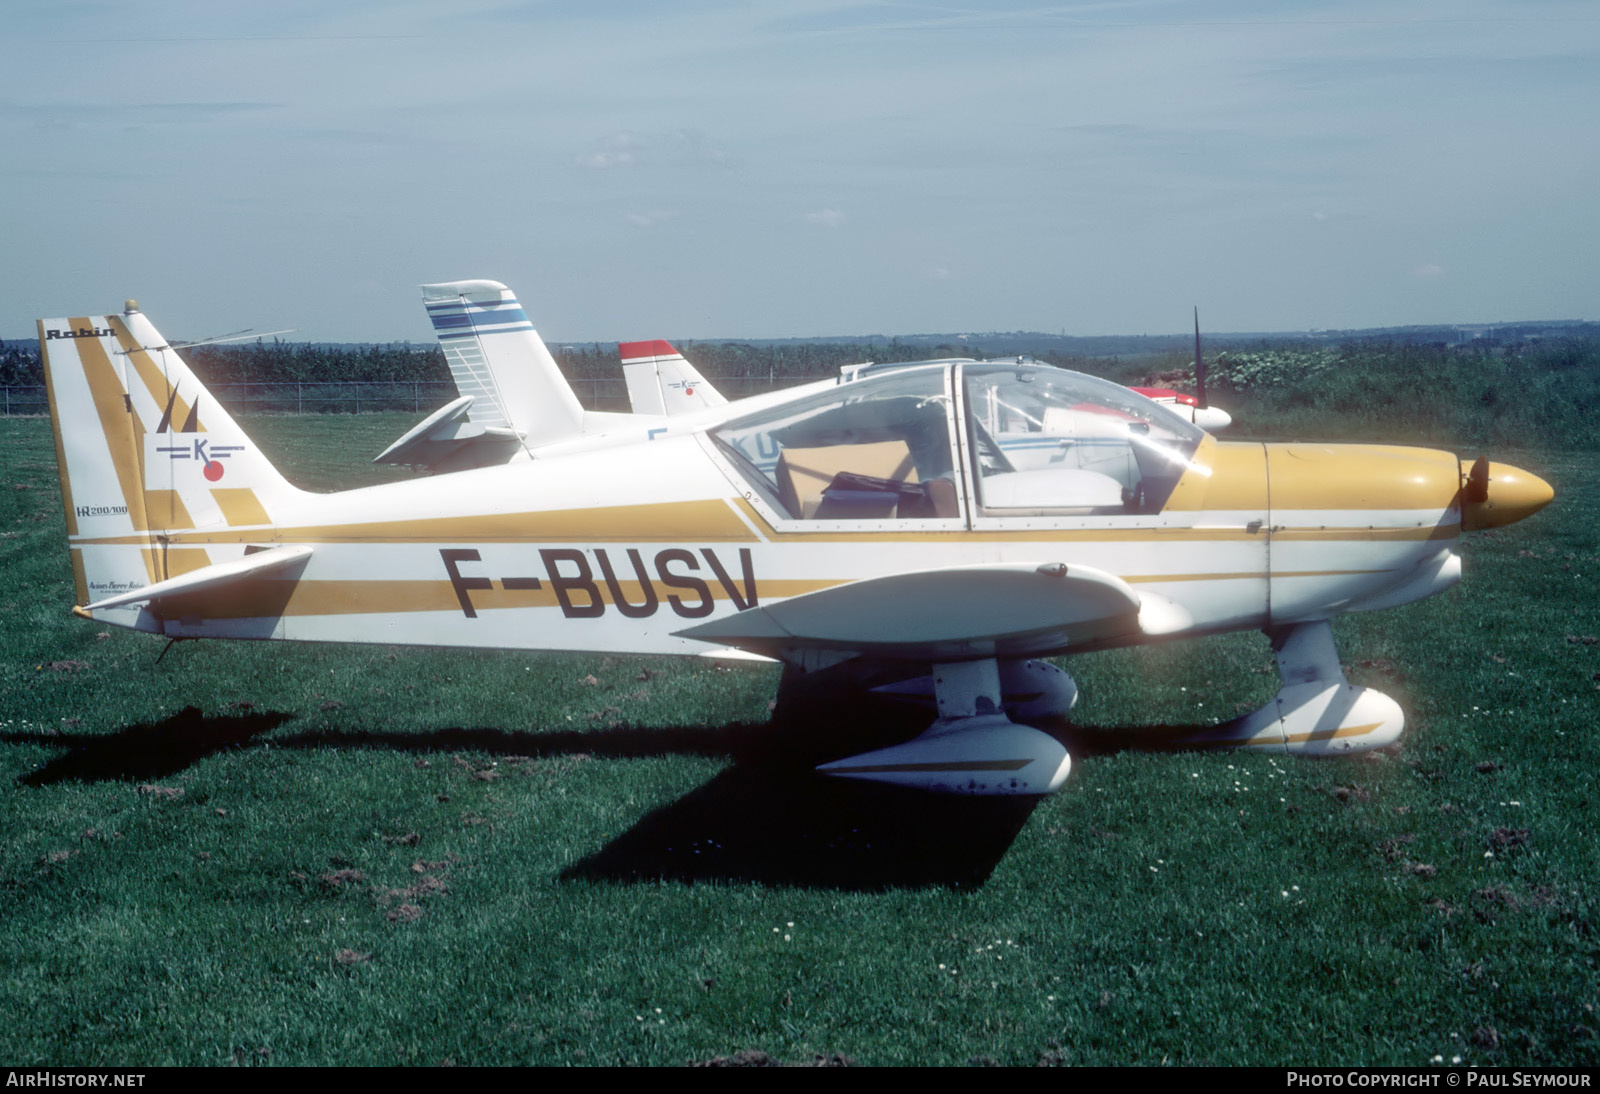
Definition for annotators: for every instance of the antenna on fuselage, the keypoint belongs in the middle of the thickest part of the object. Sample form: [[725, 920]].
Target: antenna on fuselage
[[237, 336], [1199, 364]]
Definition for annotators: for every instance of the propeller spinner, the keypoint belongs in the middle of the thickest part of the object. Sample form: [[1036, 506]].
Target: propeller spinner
[[1496, 494]]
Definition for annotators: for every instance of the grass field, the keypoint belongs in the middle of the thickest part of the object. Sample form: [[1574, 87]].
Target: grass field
[[280, 854]]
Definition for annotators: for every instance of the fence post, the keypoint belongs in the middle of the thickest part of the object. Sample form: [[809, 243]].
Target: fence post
[[299, 400]]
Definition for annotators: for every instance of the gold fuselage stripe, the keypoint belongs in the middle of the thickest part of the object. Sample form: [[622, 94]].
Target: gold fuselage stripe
[[1246, 575], [983, 536], [268, 598], [502, 529], [707, 520]]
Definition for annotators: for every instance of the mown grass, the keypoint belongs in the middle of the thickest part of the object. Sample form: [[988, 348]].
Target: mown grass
[[283, 854]]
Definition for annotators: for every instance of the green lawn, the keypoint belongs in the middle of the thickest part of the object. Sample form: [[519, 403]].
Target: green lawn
[[283, 854]]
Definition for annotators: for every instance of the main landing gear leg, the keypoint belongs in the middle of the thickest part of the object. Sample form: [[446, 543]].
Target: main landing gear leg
[[1030, 691], [1317, 712], [973, 748]]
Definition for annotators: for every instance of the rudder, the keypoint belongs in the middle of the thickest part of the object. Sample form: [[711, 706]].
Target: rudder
[[144, 451], [661, 381]]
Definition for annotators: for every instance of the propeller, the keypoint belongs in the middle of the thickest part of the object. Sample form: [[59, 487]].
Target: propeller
[[1199, 364], [1476, 491]]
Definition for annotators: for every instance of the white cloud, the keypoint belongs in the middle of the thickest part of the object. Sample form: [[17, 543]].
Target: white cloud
[[825, 218], [1428, 271], [617, 150], [649, 218], [602, 160]]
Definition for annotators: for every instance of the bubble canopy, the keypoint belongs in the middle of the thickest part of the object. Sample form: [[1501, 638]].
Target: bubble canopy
[[1020, 438]]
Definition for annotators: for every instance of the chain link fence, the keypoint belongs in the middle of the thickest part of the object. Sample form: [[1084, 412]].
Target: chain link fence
[[23, 399], [364, 397]]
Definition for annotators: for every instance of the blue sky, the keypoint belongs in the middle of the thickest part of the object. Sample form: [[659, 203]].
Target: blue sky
[[802, 167]]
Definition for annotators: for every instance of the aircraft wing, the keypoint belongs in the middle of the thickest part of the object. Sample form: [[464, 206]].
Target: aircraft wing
[[992, 610]]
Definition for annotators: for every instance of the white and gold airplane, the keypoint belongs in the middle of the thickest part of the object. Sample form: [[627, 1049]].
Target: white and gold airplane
[[869, 530]]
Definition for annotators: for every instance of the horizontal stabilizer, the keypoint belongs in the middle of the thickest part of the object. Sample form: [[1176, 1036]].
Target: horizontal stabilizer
[[447, 441], [209, 577], [425, 431], [1005, 610]]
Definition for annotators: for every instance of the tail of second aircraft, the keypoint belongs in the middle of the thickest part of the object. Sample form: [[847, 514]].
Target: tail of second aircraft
[[149, 462], [497, 357], [661, 381]]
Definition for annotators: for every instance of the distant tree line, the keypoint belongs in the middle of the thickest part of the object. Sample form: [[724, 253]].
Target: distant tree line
[[19, 364], [273, 362], [1541, 394], [264, 362], [1538, 392]]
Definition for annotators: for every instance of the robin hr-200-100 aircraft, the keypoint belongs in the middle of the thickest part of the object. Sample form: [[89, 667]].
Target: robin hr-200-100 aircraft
[[887, 530]]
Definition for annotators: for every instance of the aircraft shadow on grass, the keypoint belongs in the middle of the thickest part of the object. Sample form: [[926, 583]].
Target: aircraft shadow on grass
[[143, 753], [765, 818]]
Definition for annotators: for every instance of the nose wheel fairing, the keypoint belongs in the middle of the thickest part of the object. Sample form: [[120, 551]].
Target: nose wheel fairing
[[1317, 711]]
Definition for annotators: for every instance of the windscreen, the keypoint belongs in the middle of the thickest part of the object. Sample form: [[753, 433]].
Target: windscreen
[[1049, 440]]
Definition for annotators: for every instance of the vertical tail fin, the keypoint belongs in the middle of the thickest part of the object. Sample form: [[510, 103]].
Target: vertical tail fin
[[660, 381], [144, 451], [497, 357]]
